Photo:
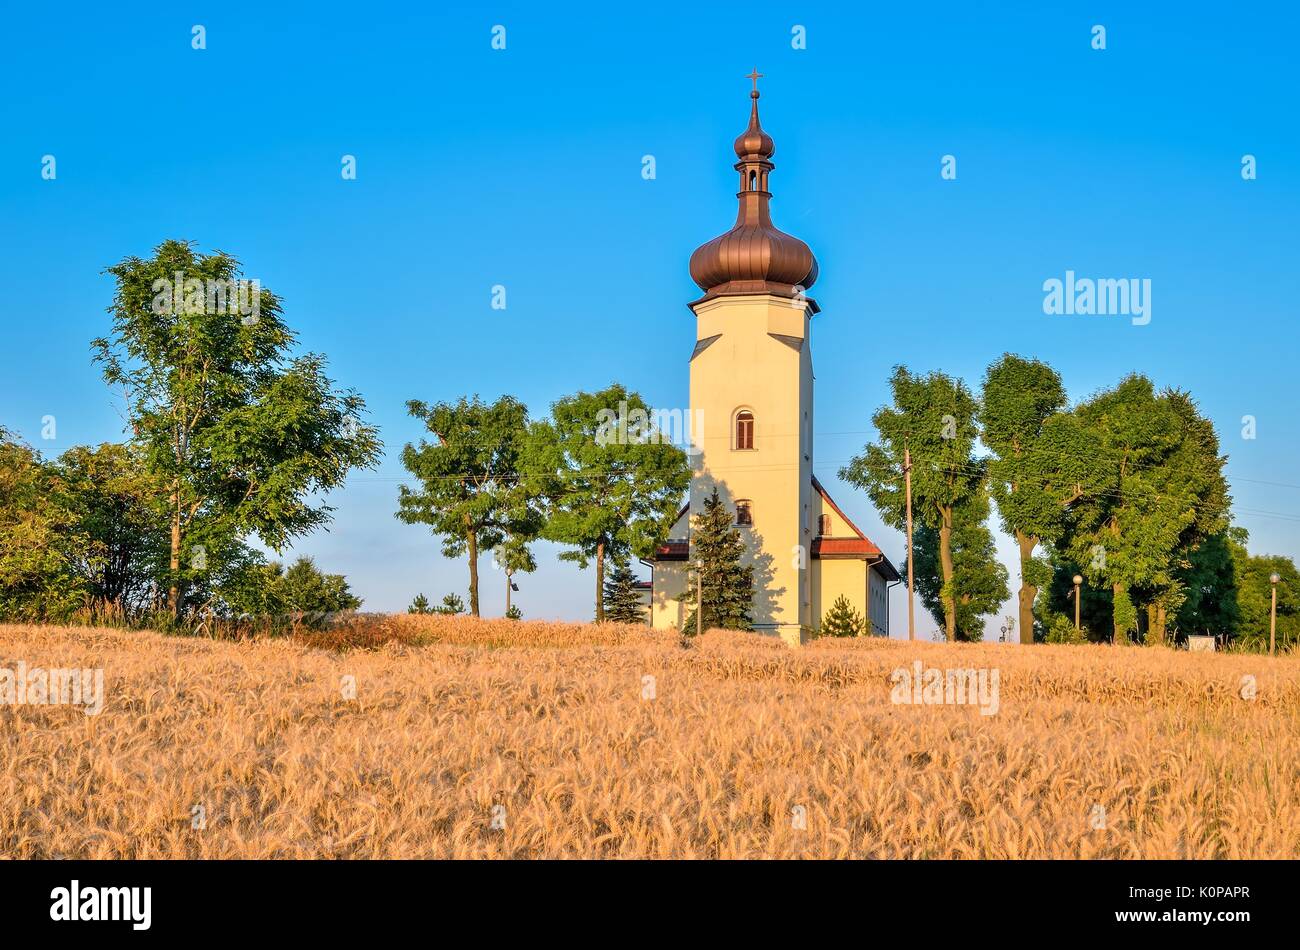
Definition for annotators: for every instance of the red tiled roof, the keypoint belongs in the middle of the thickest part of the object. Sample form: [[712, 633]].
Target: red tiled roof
[[859, 546], [673, 551], [843, 547]]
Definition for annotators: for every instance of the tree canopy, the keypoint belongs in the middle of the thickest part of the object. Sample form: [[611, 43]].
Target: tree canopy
[[933, 416], [471, 492], [240, 436], [609, 495]]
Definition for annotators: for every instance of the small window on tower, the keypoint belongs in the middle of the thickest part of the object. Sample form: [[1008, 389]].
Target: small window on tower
[[753, 181], [744, 514], [824, 526], [744, 429]]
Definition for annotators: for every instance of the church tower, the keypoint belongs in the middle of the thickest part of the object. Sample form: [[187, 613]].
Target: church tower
[[752, 388], [751, 418]]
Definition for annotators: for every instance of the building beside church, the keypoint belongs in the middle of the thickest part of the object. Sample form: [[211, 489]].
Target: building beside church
[[751, 394]]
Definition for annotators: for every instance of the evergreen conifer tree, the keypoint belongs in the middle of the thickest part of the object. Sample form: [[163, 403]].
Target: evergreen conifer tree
[[842, 620], [622, 599], [717, 550]]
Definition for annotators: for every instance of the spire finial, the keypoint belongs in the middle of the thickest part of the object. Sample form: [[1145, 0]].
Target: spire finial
[[755, 76]]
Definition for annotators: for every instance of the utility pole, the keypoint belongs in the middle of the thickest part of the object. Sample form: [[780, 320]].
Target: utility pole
[[1078, 579], [907, 481], [509, 585], [1272, 614]]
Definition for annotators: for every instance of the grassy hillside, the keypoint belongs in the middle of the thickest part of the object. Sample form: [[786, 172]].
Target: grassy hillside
[[743, 741]]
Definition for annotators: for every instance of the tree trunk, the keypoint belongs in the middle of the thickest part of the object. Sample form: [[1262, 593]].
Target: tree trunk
[[600, 581], [471, 538], [1028, 592], [1159, 623], [1117, 633], [945, 562], [174, 591]]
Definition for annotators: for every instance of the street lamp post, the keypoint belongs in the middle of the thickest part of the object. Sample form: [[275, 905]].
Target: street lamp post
[[699, 610], [1077, 581], [1272, 615]]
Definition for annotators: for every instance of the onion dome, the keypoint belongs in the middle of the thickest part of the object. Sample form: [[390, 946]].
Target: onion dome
[[754, 257]]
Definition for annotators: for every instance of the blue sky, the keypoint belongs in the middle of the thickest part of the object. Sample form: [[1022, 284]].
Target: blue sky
[[522, 167]]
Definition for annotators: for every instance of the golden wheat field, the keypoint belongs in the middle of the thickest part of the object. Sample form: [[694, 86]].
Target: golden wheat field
[[490, 738]]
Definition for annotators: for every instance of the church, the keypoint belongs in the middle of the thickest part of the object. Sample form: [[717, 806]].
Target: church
[[751, 390]]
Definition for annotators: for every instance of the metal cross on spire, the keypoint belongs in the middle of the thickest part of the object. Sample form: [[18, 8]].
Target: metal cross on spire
[[755, 76]]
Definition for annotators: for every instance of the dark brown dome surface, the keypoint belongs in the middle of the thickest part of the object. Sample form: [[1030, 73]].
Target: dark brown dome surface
[[754, 257]]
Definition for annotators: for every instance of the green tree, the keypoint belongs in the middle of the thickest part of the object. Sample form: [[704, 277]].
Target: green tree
[[1194, 473], [718, 568], [1019, 401], [39, 535], [1153, 489], [1209, 581], [612, 484], [622, 598], [420, 605], [1057, 600], [241, 437], [471, 493], [842, 620], [303, 588], [124, 558], [1254, 600], [934, 417], [451, 605], [978, 581], [265, 589]]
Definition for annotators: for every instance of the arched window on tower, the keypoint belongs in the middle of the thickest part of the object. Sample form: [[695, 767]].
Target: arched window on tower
[[744, 429], [753, 181]]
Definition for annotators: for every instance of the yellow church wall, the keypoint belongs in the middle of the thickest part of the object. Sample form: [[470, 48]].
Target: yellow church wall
[[878, 599], [833, 578], [670, 579], [745, 368]]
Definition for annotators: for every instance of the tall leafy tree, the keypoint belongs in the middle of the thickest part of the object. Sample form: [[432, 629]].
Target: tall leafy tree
[[1018, 401], [978, 583], [1194, 473], [241, 436], [471, 493], [39, 538], [934, 417], [719, 570], [612, 488], [1153, 491]]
